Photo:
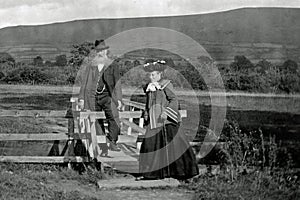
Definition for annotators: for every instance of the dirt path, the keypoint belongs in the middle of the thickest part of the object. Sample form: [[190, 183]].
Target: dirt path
[[91, 191]]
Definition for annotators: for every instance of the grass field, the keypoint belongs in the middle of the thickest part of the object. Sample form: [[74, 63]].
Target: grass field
[[44, 181]]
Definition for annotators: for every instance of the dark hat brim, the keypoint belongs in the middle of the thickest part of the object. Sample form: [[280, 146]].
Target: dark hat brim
[[101, 48]]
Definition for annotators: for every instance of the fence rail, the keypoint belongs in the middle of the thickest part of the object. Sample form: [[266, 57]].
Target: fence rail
[[81, 126]]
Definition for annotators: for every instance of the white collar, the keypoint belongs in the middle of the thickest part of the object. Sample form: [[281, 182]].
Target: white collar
[[153, 87], [100, 67]]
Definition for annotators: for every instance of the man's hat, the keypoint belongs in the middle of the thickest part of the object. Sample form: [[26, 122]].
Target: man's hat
[[100, 45]]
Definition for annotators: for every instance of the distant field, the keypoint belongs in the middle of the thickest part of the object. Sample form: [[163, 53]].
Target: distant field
[[235, 100]]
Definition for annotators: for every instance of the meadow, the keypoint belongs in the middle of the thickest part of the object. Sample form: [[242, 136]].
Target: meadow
[[258, 161]]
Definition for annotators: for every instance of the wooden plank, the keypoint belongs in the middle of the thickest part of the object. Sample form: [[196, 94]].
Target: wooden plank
[[117, 156], [129, 130], [135, 104], [43, 159], [33, 113], [38, 136], [60, 136], [95, 146], [124, 166], [134, 126], [123, 114], [122, 138], [142, 106], [101, 115]]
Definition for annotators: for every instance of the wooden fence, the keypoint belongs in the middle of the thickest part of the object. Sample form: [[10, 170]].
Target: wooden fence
[[81, 127]]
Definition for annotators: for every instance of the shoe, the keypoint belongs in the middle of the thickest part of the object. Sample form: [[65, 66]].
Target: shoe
[[113, 146], [104, 154], [104, 149]]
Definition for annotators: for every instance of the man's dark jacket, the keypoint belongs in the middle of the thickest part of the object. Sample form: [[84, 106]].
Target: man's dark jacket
[[89, 79]]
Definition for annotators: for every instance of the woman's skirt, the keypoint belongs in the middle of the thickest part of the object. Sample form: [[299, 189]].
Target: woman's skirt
[[165, 152]]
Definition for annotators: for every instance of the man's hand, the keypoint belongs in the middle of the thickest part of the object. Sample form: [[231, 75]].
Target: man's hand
[[119, 105], [81, 104], [145, 116]]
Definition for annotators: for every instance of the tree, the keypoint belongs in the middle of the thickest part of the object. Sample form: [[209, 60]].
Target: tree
[[136, 63], [61, 60], [48, 63], [38, 61], [79, 52], [6, 58], [289, 78], [27, 74], [241, 63], [205, 60], [263, 66], [2, 75], [289, 66]]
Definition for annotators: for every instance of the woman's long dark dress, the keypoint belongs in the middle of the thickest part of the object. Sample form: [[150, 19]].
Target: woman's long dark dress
[[177, 159]]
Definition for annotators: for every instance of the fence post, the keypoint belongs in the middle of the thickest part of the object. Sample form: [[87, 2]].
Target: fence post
[[129, 130], [94, 142], [139, 143]]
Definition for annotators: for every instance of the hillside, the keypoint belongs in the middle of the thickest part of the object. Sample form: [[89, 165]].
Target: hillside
[[271, 33]]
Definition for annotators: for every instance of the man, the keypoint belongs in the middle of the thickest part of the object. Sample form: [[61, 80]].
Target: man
[[101, 91]]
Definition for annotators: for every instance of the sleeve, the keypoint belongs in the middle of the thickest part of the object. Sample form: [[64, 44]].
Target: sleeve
[[145, 88], [83, 83], [171, 109], [117, 93], [145, 113]]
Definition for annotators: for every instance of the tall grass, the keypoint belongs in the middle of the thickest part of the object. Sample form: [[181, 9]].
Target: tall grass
[[252, 166]]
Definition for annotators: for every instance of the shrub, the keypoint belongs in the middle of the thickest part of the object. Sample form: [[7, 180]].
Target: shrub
[[79, 52], [61, 60], [38, 61], [29, 75], [241, 63], [2, 75], [71, 79], [6, 58], [289, 66]]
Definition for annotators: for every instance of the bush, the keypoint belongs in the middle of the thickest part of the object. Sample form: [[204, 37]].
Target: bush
[[38, 61], [71, 79], [6, 58], [79, 52], [289, 66], [241, 63], [2, 75], [192, 76], [29, 75], [61, 60]]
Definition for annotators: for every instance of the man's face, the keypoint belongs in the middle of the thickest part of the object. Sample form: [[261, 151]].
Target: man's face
[[97, 60], [99, 57], [103, 53]]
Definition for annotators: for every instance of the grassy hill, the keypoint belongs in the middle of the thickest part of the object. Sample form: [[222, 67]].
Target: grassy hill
[[270, 33]]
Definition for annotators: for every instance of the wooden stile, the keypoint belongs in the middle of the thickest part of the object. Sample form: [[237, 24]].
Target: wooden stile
[[81, 126]]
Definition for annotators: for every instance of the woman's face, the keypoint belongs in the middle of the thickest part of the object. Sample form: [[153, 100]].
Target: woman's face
[[154, 76]]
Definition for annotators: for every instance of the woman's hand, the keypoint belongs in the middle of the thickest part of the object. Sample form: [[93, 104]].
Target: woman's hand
[[164, 116]]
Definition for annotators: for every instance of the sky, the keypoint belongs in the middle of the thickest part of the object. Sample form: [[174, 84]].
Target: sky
[[33, 12]]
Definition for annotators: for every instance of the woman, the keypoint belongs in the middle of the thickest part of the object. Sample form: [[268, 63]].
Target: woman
[[165, 151]]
